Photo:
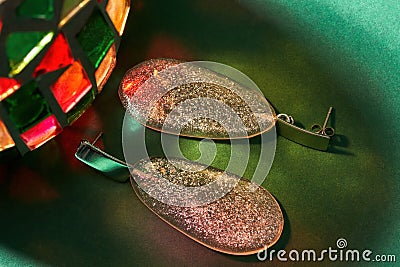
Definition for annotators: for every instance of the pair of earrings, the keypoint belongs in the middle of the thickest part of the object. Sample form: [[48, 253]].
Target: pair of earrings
[[246, 219]]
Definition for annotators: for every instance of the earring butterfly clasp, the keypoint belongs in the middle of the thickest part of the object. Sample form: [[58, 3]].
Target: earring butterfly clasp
[[324, 130]]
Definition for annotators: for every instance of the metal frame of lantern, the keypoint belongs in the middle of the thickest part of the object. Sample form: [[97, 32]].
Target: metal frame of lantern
[[59, 54]]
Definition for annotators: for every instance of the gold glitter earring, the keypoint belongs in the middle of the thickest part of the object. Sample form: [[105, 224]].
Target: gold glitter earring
[[242, 222], [153, 90], [158, 94]]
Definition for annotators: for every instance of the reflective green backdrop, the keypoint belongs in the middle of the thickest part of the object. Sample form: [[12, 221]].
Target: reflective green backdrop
[[305, 56]]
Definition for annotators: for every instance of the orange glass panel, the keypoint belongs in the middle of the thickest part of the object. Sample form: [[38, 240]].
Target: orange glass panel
[[118, 11], [41, 133], [71, 86], [5, 138], [106, 67]]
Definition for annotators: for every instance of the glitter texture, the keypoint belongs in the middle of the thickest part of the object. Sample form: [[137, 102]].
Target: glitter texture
[[242, 222], [139, 74], [203, 126], [161, 94]]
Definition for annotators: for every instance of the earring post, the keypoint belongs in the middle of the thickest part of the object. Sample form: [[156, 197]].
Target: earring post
[[97, 138], [327, 117]]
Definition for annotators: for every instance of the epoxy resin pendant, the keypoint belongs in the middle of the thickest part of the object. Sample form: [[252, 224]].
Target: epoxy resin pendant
[[195, 99], [245, 221]]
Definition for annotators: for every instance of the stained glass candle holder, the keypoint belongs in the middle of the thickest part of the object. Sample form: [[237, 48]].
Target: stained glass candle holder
[[56, 56]]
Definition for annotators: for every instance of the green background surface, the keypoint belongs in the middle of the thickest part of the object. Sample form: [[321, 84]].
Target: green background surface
[[305, 56]]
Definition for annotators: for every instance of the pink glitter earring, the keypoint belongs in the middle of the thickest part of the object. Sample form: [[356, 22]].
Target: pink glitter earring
[[242, 222]]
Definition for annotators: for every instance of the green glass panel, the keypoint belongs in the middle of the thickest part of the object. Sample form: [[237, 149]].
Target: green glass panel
[[23, 47], [26, 107], [68, 6], [37, 9], [96, 38], [81, 107]]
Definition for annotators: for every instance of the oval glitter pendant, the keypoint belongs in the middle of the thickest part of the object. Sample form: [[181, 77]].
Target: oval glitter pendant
[[195, 99], [245, 221]]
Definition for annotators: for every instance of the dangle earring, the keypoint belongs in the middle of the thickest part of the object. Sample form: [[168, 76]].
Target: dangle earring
[[217, 208], [242, 222]]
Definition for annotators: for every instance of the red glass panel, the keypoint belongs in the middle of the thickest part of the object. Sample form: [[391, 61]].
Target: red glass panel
[[58, 56], [7, 87], [41, 133], [71, 86]]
